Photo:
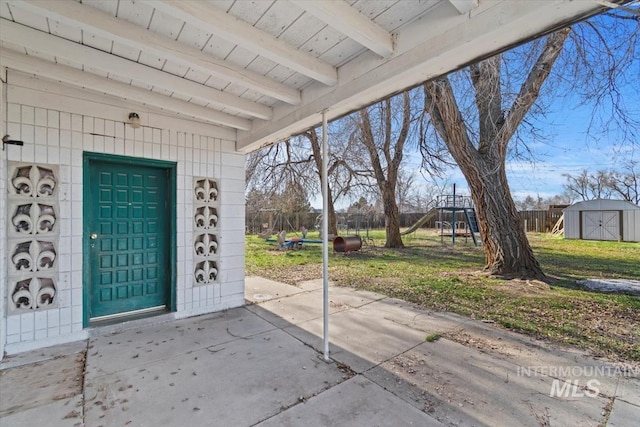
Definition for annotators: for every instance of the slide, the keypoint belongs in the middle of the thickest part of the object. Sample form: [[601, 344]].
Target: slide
[[431, 214]]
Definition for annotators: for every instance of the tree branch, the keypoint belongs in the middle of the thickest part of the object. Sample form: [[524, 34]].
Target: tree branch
[[485, 77], [447, 120], [531, 87]]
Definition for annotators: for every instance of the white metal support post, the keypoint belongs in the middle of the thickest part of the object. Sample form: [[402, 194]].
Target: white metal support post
[[325, 235]]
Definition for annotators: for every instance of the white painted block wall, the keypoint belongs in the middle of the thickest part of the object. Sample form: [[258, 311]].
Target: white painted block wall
[[54, 136], [3, 220]]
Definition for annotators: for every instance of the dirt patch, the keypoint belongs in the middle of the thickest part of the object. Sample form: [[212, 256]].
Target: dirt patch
[[380, 284], [293, 274], [41, 383], [522, 287], [474, 341], [519, 287]]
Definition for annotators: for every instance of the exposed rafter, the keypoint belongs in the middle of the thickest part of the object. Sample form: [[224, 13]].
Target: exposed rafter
[[612, 5], [74, 77], [351, 23], [213, 20], [62, 48], [464, 6], [422, 52], [97, 22]]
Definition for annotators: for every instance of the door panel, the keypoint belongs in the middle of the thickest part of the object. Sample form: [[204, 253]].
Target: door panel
[[129, 227], [591, 225], [610, 225], [601, 225]]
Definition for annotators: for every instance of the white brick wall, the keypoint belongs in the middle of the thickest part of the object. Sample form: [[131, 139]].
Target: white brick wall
[[59, 137], [3, 220]]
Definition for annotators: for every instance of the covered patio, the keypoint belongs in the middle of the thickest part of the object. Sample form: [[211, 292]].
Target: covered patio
[[127, 123]]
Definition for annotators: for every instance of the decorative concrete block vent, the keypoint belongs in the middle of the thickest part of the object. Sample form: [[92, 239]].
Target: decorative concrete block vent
[[206, 252], [32, 215]]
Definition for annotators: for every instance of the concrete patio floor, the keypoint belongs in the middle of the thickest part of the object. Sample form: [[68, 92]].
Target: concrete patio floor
[[260, 365]]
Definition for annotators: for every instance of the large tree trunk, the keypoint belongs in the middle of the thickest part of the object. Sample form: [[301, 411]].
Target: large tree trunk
[[506, 247], [507, 250]]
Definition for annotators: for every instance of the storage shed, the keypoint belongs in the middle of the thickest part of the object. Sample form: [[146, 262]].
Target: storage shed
[[602, 220]]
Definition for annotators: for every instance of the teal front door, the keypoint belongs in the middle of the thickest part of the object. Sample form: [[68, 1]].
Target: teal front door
[[128, 228]]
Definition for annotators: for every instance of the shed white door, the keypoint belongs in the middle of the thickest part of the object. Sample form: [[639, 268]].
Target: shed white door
[[601, 225]]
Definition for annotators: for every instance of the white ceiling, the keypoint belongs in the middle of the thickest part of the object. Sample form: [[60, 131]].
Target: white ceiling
[[265, 68]]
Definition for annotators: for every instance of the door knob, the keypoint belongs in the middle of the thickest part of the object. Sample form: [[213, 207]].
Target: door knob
[[93, 236]]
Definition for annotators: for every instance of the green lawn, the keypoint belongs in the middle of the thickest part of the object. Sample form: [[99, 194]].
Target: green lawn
[[444, 277]]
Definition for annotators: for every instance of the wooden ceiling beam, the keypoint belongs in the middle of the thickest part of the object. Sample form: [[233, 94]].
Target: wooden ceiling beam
[[216, 21], [61, 48], [103, 24], [425, 49], [464, 6], [350, 22], [74, 77]]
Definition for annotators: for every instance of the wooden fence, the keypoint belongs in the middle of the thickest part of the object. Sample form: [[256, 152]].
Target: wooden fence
[[541, 221], [257, 222]]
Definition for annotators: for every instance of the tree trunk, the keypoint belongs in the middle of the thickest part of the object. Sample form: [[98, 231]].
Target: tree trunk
[[391, 219], [507, 250], [312, 136], [333, 228]]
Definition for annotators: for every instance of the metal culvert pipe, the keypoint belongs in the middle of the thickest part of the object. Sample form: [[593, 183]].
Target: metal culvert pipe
[[347, 243]]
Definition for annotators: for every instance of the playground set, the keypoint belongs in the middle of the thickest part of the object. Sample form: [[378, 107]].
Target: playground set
[[276, 221], [292, 242], [348, 222], [340, 243], [456, 218]]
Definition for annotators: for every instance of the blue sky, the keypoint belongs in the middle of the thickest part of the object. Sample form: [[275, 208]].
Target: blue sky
[[567, 153], [568, 149]]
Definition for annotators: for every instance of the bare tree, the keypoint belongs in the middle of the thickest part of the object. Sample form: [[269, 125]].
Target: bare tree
[[497, 123], [273, 167], [529, 203], [578, 185], [406, 182], [481, 157], [588, 186], [537, 203], [299, 160], [384, 139], [626, 183], [606, 184], [346, 171], [251, 163]]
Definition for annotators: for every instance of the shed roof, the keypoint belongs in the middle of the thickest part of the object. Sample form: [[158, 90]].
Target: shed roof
[[264, 69], [602, 205]]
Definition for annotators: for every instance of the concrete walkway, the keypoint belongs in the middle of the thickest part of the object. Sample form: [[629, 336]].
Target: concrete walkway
[[260, 365]]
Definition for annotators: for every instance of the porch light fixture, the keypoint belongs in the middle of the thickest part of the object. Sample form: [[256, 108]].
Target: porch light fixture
[[134, 120], [7, 140]]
